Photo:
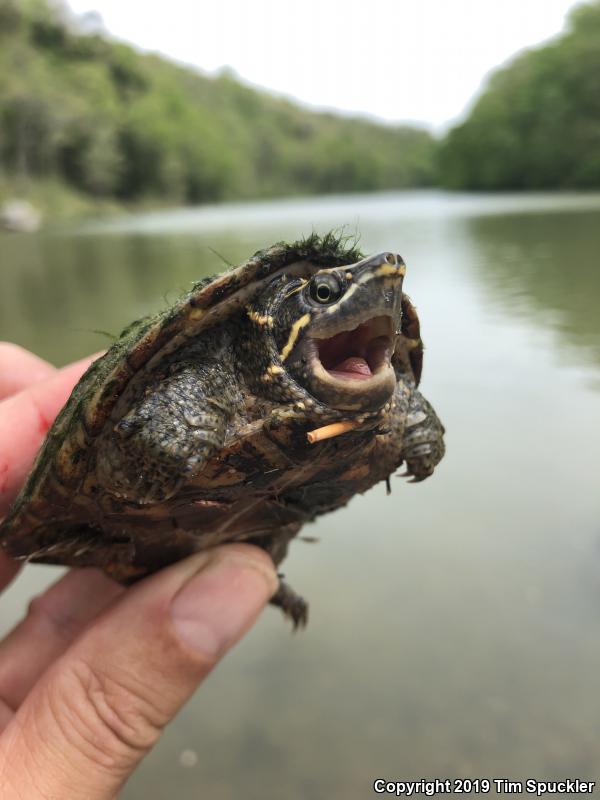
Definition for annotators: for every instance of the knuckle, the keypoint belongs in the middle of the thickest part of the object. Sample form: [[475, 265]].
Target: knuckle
[[111, 719]]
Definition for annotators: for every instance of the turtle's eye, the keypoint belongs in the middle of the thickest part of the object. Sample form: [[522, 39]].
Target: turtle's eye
[[325, 288]]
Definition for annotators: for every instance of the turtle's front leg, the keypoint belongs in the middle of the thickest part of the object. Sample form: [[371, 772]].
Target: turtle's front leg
[[169, 432], [423, 442]]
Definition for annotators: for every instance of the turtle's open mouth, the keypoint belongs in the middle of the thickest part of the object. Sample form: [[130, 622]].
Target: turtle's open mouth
[[359, 354], [352, 369], [349, 369]]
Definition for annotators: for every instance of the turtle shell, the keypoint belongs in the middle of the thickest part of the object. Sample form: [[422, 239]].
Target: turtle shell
[[59, 474]]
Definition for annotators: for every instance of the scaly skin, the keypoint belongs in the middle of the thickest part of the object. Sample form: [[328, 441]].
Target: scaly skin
[[169, 433]]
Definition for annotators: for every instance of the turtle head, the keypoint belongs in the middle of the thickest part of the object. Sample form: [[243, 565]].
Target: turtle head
[[334, 332]]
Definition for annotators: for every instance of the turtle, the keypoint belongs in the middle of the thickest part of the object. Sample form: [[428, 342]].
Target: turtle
[[265, 396]]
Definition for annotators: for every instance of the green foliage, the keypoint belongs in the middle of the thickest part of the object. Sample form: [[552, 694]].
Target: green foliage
[[537, 126], [111, 122]]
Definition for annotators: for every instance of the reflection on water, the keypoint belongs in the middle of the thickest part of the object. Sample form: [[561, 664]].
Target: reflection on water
[[57, 290], [540, 264], [457, 636]]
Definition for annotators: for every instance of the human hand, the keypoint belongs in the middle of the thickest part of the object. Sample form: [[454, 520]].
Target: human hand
[[94, 672]]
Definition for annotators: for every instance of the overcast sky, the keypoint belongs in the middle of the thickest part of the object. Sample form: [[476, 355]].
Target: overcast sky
[[416, 60]]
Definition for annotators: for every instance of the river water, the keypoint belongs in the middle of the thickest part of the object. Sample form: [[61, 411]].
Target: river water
[[455, 626]]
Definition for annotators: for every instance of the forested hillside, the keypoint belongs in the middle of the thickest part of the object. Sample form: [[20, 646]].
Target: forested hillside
[[105, 122], [111, 122], [537, 126]]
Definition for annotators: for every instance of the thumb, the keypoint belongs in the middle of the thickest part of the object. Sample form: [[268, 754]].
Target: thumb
[[101, 707]]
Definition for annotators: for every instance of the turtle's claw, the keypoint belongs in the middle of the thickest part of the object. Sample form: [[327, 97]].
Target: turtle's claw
[[293, 605]]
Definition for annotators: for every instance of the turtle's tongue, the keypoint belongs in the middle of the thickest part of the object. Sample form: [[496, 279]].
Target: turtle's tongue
[[353, 368]]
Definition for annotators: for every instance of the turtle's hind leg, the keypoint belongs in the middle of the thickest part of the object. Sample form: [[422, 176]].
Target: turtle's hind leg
[[293, 605], [276, 544]]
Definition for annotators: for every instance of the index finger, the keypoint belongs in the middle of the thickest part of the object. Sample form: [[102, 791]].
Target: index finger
[[19, 369], [25, 418]]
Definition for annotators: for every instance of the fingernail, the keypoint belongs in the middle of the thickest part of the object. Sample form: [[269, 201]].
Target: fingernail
[[217, 605]]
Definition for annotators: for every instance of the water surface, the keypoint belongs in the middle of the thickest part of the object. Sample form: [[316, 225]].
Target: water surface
[[455, 626]]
